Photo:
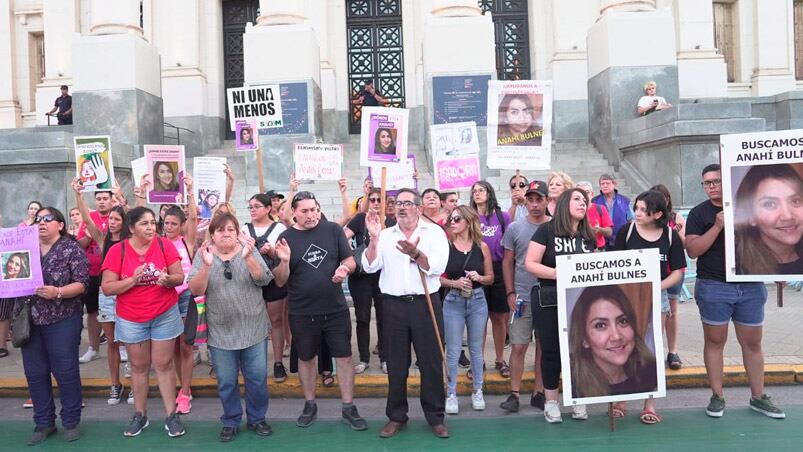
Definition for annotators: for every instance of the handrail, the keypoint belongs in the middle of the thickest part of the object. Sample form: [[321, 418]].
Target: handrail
[[178, 131]]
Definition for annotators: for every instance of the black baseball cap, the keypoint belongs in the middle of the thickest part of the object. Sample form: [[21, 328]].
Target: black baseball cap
[[273, 194], [538, 187]]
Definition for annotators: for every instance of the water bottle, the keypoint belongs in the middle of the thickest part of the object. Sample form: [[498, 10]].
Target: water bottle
[[466, 292], [519, 307]]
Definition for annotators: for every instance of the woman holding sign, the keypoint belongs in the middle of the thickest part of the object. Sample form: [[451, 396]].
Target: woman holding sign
[[769, 217], [567, 233], [52, 350]]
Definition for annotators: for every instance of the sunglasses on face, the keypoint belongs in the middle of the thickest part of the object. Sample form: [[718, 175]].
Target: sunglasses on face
[[521, 185], [227, 270], [455, 219], [375, 200], [46, 218]]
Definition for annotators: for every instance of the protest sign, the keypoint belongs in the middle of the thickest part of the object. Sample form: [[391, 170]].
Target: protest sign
[[609, 322], [762, 198], [166, 167], [262, 103], [246, 135], [457, 98], [295, 110], [455, 155], [139, 168], [519, 124], [318, 161], [20, 263], [383, 137], [209, 180], [93, 162], [399, 175]]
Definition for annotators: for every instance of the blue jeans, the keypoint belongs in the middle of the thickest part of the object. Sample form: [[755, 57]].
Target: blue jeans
[[459, 313], [253, 362], [53, 350]]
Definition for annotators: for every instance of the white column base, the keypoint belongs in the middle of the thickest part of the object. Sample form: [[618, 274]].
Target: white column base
[[768, 82], [702, 74], [10, 114]]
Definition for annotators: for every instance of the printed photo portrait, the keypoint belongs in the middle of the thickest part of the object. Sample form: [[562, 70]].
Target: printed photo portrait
[[611, 340], [246, 135], [466, 135], [520, 120], [16, 265], [165, 177], [385, 141], [768, 219]]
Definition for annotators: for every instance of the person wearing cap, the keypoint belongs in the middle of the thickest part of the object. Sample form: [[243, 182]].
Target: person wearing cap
[[314, 259], [64, 105], [275, 201], [518, 285]]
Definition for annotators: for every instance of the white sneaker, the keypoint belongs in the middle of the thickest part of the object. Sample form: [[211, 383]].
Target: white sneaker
[[130, 400], [127, 370], [385, 367], [477, 401], [552, 412], [451, 404], [579, 412], [360, 368], [123, 354], [90, 355]]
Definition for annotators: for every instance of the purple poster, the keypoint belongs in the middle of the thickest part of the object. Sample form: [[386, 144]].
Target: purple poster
[[383, 137], [19, 255], [246, 136]]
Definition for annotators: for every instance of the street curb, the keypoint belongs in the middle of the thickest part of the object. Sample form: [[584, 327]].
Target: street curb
[[376, 385]]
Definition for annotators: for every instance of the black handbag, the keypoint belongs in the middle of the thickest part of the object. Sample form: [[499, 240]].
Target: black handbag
[[21, 325], [547, 296]]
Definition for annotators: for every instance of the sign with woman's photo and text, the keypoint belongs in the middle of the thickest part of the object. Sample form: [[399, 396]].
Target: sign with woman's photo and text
[[93, 163], [167, 168], [383, 136], [455, 155], [609, 320], [519, 124], [20, 265]]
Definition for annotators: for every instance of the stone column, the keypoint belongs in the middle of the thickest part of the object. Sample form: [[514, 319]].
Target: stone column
[[458, 54], [630, 44], [282, 48], [701, 70], [10, 110], [117, 77], [773, 71], [60, 19]]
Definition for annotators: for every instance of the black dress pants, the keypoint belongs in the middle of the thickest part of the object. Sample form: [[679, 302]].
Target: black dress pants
[[365, 293]]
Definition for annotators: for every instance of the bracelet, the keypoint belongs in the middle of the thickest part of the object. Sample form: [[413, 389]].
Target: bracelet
[[512, 292], [58, 296]]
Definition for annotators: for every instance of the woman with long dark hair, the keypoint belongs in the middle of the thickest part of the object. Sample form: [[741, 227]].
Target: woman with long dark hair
[[519, 122], [384, 143]]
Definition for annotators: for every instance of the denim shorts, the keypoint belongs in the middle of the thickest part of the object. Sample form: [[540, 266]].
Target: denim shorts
[[665, 308], [184, 299], [677, 289], [720, 302], [163, 328], [106, 308]]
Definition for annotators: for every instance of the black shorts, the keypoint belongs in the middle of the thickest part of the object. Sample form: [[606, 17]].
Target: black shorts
[[272, 292], [90, 297], [495, 293], [309, 330]]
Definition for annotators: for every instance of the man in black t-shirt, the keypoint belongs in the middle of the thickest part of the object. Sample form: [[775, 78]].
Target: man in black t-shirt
[[315, 258], [369, 96], [720, 302]]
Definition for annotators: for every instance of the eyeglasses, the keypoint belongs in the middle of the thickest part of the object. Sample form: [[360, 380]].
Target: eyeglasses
[[375, 199], [255, 207], [46, 218], [711, 183], [227, 270], [455, 219], [301, 196], [405, 204], [520, 185]]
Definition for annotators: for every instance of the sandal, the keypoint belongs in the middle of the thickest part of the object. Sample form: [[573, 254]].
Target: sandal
[[470, 375], [327, 379], [3, 352], [673, 361], [650, 417], [503, 368], [619, 410]]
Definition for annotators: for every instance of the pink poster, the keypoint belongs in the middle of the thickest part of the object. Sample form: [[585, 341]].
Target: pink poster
[[459, 173]]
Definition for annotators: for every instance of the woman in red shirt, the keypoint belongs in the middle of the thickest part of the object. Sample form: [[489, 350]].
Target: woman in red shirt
[[143, 271]]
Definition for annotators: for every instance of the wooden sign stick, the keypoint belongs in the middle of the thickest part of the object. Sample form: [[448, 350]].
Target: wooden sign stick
[[779, 286], [383, 181], [260, 171]]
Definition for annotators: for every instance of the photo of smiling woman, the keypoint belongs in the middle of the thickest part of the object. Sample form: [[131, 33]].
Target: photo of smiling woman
[[519, 121], [608, 352], [768, 221], [164, 177], [384, 142], [16, 265]]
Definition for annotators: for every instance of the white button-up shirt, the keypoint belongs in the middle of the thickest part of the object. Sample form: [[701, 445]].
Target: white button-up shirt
[[399, 273]]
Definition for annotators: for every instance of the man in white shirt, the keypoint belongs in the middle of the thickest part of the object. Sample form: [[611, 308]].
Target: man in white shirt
[[401, 250]]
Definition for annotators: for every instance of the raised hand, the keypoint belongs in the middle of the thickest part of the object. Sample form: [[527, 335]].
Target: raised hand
[[228, 171], [101, 175], [188, 183], [283, 250], [293, 183], [248, 244], [340, 274], [407, 247], [206, 253], [76, 184], [373, 223], [342, 185]]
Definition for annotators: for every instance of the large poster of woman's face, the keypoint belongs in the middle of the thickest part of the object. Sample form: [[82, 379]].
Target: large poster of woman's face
[[167, 168], [519, 122], [383, 138], [762, 177], [609, 317]]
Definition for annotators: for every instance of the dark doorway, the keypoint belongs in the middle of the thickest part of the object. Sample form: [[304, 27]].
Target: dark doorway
[[512, 37], [236, 13], [375, 52]]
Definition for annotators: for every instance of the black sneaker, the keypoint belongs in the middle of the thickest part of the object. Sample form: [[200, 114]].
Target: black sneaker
[[103, 339], [115, 395], [279, 372], [538, 400], [308, 414], [40, 434], [227, 434], [174, 426], [261, 428], [71, 434], [352, 418], [463, 361], [138, 423], [511, 405]]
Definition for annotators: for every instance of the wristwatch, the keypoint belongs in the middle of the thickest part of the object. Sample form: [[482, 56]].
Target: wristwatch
[[58, 295]]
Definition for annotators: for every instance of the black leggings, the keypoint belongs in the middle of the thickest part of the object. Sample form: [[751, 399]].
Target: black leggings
[[545, 321]]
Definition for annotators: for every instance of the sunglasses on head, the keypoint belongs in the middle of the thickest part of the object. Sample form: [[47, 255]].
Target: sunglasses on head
[[455, 219], [46, 218], [227, 270], [301, 196], [520, 185]]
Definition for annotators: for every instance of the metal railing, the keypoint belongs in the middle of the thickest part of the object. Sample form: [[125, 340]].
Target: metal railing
[[178, 130]]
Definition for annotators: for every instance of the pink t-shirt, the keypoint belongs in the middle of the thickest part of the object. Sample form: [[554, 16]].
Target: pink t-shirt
[[94, 251], [598, 216], [186, 262], [146, 300]]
